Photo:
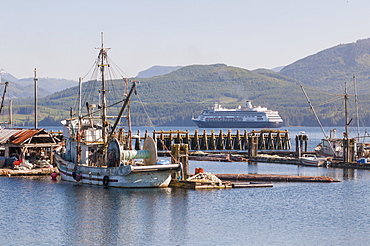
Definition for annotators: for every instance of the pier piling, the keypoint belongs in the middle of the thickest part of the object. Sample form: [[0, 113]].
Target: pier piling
[[264, 140]]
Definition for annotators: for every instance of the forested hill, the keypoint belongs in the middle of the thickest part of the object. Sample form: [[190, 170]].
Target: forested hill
[[331, 68], [174, 98]]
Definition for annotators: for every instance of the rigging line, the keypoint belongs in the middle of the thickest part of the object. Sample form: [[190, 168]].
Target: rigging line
[[111, 61], [89, 95], [314, 89], [93, 66], [146, 112], [112, 83], [152, 125], [112, 105], [329, 101]]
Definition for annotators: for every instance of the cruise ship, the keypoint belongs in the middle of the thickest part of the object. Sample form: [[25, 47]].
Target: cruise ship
[[241, 117]]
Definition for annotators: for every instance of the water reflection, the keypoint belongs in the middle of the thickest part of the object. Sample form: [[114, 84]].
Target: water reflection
[[96, 215], [252, 167], [179, 216]]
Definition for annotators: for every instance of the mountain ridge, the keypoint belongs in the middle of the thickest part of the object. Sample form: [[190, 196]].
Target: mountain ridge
[[173, 98]]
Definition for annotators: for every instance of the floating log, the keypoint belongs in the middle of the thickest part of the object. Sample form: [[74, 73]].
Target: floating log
[[252, 185], [28, 172], [275, 178]]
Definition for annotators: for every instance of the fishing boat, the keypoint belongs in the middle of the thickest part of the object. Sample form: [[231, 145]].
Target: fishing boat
[[241, 117], [343, 148], [313, 160], [332, 146], [98, 153]]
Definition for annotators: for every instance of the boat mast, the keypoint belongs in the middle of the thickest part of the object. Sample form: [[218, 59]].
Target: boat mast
[[346, 110], [79, 102], [346, 139], [356, 102], [103, 58], [129, 116], [3, 97], [10, 114], [126, 102]]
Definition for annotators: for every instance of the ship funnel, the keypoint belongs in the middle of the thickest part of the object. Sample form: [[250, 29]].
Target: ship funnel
[[248, 104]]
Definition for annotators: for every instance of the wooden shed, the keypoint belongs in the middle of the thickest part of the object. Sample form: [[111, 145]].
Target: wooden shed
[[28, 144]]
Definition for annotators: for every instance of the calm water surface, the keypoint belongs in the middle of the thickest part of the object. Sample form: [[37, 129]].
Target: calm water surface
[[38, 211]]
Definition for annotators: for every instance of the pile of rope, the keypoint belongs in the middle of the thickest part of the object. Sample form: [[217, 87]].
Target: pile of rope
[[205, 177]]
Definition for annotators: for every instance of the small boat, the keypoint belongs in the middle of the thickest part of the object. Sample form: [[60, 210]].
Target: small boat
[[97, 153], [331, 146], [313, 160]]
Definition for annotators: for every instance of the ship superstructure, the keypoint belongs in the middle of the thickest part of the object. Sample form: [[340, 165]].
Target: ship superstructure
[[240, 117]]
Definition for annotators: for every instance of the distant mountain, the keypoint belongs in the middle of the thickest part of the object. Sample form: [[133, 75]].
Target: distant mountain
[[157, 71], [277, 69], [329, 69], [23, 88], [7, 77], [49, 84], [16, 90]]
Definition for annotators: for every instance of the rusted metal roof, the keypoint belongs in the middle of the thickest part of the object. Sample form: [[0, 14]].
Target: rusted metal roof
[[5, 134], [23, 136]]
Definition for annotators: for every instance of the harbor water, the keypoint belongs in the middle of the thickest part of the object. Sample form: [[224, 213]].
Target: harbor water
[[39, 211]]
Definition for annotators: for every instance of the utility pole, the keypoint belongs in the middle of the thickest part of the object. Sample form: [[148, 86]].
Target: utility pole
[[10, 114], [35, 80]]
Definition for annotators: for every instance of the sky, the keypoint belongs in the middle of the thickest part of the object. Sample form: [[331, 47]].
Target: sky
[[60, 38]]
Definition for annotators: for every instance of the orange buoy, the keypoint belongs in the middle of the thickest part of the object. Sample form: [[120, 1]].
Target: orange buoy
[[199, 170]]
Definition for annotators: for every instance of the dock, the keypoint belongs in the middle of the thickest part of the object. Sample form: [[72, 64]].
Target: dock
[[270, 139], [212, 185]]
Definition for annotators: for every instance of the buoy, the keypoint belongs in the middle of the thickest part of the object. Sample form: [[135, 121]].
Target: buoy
[[54, 176], [199, 170], [105, 180], [78, 177]]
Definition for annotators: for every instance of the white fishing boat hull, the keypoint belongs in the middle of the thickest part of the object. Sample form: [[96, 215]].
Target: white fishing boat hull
[[313, 161], [128, 176]]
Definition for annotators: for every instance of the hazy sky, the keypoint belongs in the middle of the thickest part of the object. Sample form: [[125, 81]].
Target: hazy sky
[[59, 37]]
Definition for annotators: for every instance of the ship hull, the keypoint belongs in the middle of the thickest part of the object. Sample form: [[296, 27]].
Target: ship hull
[[235, 124], [153, 176]]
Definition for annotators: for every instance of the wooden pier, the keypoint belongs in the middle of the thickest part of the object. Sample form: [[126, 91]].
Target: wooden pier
[[267, 139]]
